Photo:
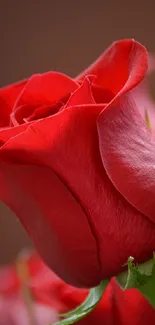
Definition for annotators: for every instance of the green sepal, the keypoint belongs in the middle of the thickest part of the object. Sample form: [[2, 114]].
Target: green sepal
[[86, 307], [141, 277]]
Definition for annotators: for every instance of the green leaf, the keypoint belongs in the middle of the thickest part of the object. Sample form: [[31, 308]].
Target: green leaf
[[86, 307], [140, 276]]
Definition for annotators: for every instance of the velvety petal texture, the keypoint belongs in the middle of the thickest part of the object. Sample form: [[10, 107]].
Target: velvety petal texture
[[127, 150], [45, 218], [76, 167]]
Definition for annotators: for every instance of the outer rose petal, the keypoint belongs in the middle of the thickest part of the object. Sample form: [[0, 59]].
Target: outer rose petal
[[124, 62], [72, 151], [127, 151], [142, 95], [54, 220], [8, 133], [8, 96]]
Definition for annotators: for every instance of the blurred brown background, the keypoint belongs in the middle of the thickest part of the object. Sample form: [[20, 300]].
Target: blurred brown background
[[37, 36]]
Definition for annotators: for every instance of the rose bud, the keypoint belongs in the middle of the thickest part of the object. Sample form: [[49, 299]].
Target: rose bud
[[77, 165]]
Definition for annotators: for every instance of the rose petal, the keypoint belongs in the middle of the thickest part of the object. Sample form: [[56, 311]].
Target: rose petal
[[124, 62], [127, 151], [21, 113], [142, 95], [54, 220], [44, 111], [82, 95], [8, 97], [7, 133], [44, 89]]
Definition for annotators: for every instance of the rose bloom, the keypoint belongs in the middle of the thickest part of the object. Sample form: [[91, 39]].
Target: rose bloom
[[31, 294], [77, 165]]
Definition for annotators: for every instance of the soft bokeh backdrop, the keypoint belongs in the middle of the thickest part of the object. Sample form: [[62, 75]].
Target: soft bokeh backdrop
[[37, 36]]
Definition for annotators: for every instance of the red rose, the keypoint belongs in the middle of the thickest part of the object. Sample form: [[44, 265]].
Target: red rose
[[77, 166]]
